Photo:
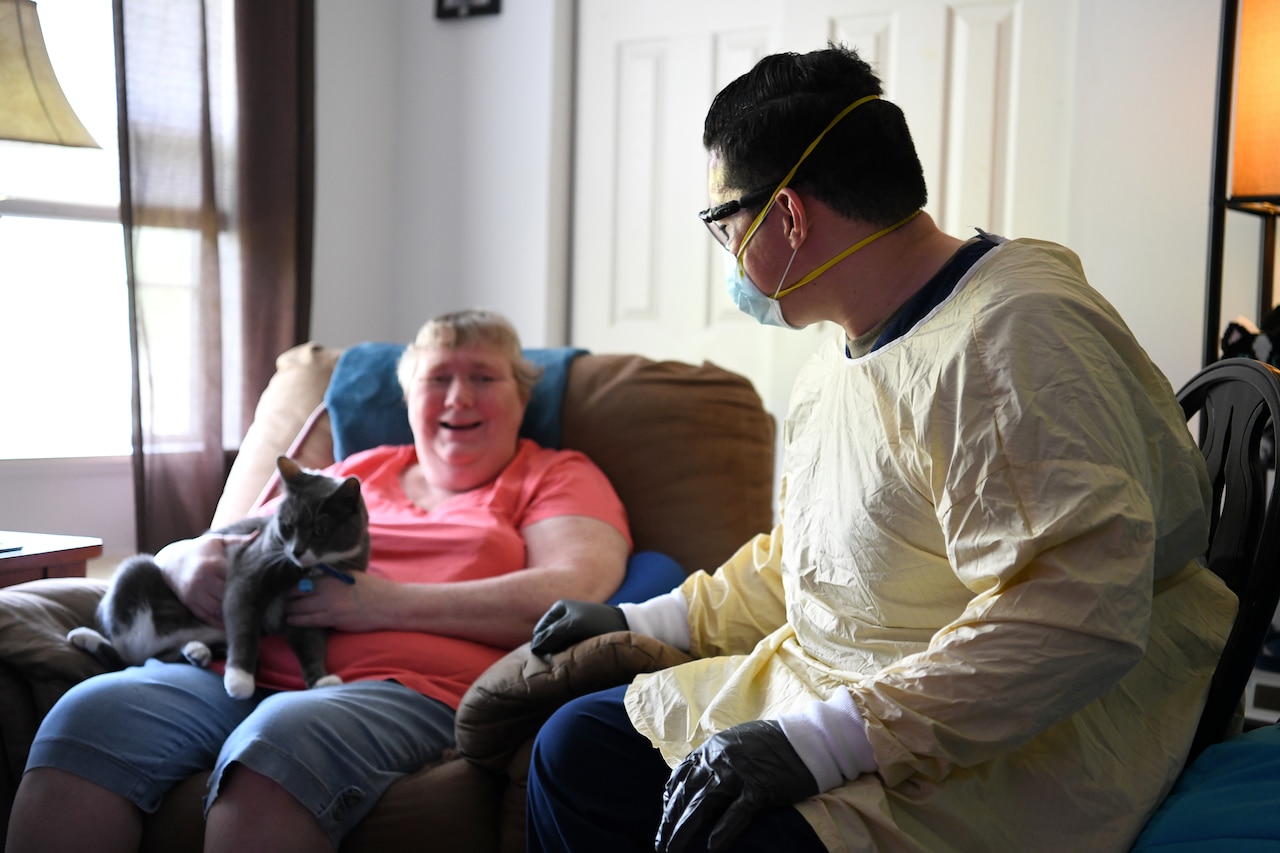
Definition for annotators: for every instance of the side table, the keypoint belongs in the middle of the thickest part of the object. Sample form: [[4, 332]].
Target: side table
[[31, 556]]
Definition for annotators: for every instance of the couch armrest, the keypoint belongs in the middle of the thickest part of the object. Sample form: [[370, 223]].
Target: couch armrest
[[511, 700], [37, 664], [502, 711], [34, 620]]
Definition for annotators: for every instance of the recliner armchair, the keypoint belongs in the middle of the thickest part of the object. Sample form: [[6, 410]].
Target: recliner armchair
[[689, 450]]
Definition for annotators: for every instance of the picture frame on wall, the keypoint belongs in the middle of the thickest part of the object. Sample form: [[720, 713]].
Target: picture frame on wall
[[467, 8]]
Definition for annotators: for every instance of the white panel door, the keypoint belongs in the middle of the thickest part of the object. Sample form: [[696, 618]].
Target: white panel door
[[983, 85], [646, 277]]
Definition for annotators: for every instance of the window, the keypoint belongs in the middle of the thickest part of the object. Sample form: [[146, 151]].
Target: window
[[64, 348]]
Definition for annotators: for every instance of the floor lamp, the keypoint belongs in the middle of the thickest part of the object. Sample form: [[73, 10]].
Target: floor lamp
[[1246, 168]]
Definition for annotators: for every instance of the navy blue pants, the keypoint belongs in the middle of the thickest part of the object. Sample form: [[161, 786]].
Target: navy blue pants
[[595, 783]]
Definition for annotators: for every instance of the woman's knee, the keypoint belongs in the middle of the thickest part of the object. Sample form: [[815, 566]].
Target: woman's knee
[[88, 703], [364, 734], [368, 716], [166, 722], [257, 812], [137, 700]]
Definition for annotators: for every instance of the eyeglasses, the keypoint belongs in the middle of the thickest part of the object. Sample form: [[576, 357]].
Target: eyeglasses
[[712, 215]]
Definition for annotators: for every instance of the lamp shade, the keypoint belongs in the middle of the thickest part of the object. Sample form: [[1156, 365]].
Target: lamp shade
[[32, 105], [1255, 156]]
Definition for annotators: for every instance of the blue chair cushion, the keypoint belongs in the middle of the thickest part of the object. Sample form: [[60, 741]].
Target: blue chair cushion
[[1226, 800], [649, 573]]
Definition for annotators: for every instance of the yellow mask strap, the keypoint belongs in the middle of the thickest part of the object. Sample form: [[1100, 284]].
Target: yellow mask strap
[[865, 241], [812, 145]]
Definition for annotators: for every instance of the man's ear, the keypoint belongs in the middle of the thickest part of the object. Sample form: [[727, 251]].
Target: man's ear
[[795, 218]]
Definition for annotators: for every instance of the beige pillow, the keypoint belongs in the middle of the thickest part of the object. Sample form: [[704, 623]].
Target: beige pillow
[[297, 388]]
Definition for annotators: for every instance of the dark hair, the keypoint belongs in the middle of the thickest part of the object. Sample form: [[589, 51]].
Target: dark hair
[[866, 167]]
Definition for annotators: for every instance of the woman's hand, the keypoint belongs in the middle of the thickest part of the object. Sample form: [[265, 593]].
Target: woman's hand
[[569, 557], [196, 570], [366, 605]]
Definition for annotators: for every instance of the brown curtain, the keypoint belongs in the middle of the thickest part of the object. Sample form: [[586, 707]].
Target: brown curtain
[[216, 158]]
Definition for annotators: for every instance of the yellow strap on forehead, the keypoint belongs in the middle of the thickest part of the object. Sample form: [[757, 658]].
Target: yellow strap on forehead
[[812, 145]]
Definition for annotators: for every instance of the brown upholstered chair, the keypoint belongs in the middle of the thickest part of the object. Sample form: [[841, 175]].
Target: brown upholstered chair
[[689, 450]]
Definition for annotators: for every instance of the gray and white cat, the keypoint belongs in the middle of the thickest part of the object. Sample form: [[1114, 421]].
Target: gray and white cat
[[321, 524]]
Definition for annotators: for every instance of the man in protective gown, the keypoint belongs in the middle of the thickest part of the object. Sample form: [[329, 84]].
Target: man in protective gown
[[981, 623]]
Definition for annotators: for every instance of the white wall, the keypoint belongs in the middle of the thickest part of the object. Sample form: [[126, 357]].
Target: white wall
[[358, 88], [443, 178], [443, 167], [1142, 164], [78, 497]]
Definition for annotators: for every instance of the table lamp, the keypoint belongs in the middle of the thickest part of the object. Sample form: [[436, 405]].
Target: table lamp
[[33, 107]]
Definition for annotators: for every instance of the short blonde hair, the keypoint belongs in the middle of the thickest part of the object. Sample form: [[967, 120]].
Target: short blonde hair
[[466, 328]]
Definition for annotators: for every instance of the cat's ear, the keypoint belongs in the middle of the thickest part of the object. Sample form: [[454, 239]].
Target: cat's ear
[[350, 487], [288, 468]]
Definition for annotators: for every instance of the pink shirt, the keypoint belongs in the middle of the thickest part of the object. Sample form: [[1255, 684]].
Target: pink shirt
[[471, 536]]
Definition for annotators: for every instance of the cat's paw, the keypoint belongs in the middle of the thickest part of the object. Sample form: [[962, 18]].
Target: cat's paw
[[327, 681], [239, 683], [87, 639], [198, 654]]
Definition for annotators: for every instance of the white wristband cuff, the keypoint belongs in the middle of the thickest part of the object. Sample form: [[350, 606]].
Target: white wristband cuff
[[665, 617], [831, 739]]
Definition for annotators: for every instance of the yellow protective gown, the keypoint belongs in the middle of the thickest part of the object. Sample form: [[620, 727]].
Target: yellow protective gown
[[991, 528]]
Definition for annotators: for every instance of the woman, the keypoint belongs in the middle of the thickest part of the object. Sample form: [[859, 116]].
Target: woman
[[475, 532]]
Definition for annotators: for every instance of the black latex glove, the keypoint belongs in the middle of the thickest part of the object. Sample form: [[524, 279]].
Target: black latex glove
[[730, 778], [569, 622]]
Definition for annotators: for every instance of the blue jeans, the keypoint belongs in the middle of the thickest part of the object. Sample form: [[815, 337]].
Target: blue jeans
[[337, 749], [595, 783]]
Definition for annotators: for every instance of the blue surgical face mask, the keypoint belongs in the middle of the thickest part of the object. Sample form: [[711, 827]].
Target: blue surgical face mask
[[749, 298], [768, 309]]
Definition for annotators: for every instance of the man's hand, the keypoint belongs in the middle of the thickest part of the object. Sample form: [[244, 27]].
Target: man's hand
[[569, 622], [196, 569], [729, 779]]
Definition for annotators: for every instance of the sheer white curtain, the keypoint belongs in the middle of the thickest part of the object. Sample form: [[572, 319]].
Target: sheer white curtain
[[215, 103]]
